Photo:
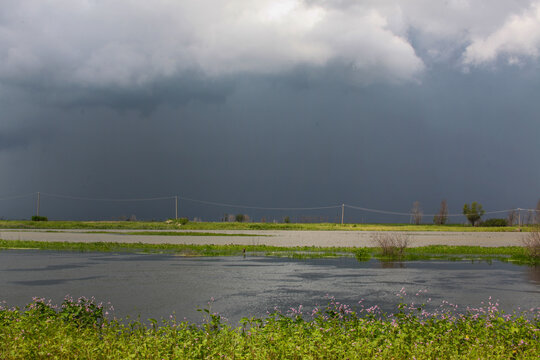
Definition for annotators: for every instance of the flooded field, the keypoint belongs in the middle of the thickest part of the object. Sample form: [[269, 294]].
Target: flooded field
[[155, 285]]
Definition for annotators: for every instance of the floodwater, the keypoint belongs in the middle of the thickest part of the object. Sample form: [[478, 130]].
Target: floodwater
[[157, 285]]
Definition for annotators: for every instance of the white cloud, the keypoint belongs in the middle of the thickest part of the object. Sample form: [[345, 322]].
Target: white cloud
[[518, 37], [128, 43]]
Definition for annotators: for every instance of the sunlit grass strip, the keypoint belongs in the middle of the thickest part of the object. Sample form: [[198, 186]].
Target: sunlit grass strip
[[155, 225], [79, 330], [169, 233], [515, 254]]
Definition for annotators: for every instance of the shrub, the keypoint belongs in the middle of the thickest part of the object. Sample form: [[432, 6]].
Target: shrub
[[392, 244], [287, 220], [240, 217], [473, 213], [82, 312], [39, 218], [362, 254], [495, 222], [182, 221], [531, 241]]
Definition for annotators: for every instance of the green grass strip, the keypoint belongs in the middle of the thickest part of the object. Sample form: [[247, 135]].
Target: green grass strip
[[167, 233], [515, 254], [155, 225]]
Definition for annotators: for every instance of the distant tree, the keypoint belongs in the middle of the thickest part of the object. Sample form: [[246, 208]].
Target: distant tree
[[287, 220], [473, 213], [538, 212], [512, 217], [442, 215], [530, 217], [240, 217], [416, 213]]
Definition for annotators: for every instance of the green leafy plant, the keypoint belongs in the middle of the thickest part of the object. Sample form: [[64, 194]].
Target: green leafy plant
[[182, 221], [39, 218], [473, 213], [362, 254], [334, 331], [82, 312]]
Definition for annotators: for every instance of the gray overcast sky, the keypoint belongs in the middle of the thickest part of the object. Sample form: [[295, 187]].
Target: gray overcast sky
[[268, 103]]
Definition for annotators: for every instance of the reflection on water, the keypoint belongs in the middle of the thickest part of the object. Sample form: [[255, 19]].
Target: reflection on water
[[534, 273], [386, 264]]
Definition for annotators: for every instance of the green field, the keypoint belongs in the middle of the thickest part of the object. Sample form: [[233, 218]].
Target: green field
[[515, 254], [80, 329], [155, 225]]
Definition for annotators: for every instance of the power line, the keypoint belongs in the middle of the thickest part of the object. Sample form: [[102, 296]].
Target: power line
[[410, 213], [258, 207], [176, 197], [378, 211]]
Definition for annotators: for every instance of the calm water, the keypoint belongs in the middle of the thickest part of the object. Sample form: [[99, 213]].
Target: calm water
[[158, 285]]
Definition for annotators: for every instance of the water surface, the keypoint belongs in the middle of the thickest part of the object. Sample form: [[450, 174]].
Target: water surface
[[156, 285]]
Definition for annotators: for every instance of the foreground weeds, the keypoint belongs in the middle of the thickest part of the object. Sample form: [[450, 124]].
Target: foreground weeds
[[79, 330]]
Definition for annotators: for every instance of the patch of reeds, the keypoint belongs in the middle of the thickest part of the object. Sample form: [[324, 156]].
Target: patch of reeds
[[531, 242], [392, 244]]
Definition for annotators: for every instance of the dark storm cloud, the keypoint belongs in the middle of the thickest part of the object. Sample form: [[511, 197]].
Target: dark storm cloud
[[12, 140], [299, 142], [298, 104]]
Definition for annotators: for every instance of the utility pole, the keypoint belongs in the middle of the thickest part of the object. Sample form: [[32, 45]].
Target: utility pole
[[342, 212], [176, 207], [38, 198]]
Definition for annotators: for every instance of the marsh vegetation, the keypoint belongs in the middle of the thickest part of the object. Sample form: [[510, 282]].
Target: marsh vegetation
[[80, 329]]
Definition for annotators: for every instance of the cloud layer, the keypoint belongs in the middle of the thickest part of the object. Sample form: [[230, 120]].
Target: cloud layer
[[131, 43], [518, 38], [273, 103]]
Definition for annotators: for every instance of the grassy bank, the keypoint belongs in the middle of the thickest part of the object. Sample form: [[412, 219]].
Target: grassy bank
[[515, 254], [155, 225], [163, 233], [80, 330]]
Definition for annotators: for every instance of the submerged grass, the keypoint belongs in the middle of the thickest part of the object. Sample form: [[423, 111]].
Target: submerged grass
[[514, 254], [80, 330], [156, 225]]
